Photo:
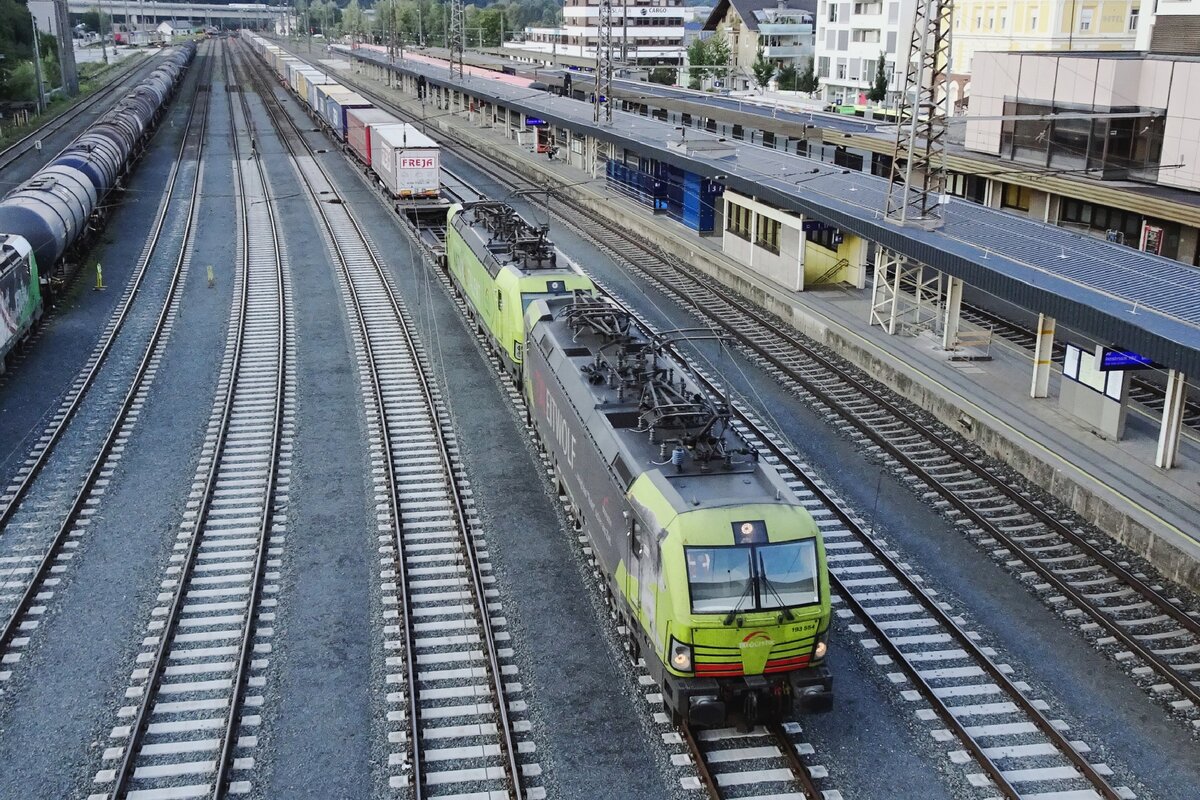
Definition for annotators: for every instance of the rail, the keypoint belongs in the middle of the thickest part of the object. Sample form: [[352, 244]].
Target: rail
[[75, 510], [283, 124], [140, 723]]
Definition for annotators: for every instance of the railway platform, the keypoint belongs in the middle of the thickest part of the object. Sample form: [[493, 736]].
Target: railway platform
[[1115, 485]]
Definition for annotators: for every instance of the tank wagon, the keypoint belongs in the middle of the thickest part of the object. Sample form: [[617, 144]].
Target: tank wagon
[[47, 214], [716, 570]]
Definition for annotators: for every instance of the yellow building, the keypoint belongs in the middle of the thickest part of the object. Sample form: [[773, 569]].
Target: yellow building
[[1007, 25]]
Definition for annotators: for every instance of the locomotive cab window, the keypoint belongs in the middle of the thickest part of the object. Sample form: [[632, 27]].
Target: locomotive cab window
[[635, 538], [762, 577]]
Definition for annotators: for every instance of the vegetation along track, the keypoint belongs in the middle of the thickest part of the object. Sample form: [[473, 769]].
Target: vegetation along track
[[454, 707], [29, 565], [206, 650], [1139, 623], [29, 143]]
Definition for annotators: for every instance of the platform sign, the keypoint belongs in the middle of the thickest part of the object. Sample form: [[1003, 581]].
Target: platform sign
[[1120, 360], [535, 122], [813, 226]]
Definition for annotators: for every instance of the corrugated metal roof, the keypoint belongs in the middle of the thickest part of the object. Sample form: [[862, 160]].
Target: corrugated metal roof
[[1116, 294]]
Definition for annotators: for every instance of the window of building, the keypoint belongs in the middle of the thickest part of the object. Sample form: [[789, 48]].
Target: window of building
[[768, 139], [1133, 20], [991, 23], [767, 236], [866, 35], [738, 221], [841, 71], [979, 22], [1003, 22], [823, 67], [1033, 20], [829, 238], [1085, 20], [833, 12], [1018, 197]]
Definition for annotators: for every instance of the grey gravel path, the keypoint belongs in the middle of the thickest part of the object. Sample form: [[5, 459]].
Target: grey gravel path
[[316, 739], [54, 714]]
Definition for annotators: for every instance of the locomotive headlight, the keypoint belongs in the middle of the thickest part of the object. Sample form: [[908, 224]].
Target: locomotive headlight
[[681, 656], [819, 650]]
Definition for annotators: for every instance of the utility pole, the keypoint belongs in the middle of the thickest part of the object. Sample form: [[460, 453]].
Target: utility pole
[[604, 66], [458, 35], [918, 176], [66, 49], [103, 34], [37, 67]]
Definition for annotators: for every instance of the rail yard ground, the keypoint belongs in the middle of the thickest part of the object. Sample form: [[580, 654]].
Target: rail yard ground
[[318, 714]]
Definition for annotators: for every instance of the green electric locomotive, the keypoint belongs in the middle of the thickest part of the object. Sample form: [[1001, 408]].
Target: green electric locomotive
[[718, 572]]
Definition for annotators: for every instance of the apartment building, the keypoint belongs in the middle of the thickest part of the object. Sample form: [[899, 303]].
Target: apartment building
[[851, 39], [1027, 25], [783, 29], [645, 32], [1170, 26]]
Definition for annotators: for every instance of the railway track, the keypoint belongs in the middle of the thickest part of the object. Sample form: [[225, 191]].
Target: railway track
[[1074, 571], [29, 143], [762, 762], [1018, 749], [1010, 742], [31, 557], [455, 709], [1147, 627], [189, 729]]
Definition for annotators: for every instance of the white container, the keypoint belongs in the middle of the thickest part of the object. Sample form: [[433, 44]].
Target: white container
[[405, 160]]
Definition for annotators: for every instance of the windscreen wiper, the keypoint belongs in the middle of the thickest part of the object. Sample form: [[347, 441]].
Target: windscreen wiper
[[733, 612], [785, 612]]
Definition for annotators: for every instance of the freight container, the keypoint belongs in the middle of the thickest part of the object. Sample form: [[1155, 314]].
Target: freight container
[[311, 81], [360, 122], [336, 100], [405, 160]]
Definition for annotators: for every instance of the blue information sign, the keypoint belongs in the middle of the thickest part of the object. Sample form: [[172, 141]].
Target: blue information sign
[[1119, 360], [812, 226], [534, 122]]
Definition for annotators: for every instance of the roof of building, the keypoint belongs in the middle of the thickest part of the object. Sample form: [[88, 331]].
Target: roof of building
[[753, 12], [1113, 293]]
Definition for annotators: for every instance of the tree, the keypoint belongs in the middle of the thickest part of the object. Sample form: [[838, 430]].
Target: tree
[[21, 83], [808, 82], [663, 75], [787, 78], [763, 69], [697, 57], [879, 90], [353, 19]]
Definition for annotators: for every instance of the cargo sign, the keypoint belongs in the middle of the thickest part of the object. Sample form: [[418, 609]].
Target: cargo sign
[[408, 162], [1121, 360]]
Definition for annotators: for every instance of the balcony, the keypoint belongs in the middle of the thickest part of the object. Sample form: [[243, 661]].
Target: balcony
[[787, 51], [785, 28]]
